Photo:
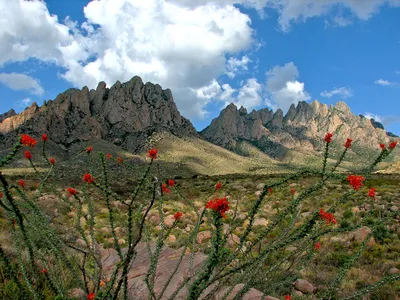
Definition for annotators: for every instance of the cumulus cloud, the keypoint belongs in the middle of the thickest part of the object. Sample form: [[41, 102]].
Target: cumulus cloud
[[292, 11], [176, 45], [234, 65], [283, 87], [26, 102], [17, 81], [181, 44], [342, 92], [383, 82]]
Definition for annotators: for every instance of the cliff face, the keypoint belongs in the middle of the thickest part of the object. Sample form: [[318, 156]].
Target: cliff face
[[302, 127], [125, 114]]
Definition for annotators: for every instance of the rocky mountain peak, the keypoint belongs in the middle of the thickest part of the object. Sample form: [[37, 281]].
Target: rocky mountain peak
[[125, 114], [304, 126]]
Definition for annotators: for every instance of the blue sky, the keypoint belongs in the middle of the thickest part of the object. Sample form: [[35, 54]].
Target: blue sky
[[255, 53]]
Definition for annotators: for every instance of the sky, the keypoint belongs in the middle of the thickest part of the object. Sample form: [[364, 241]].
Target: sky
[[254, 53]]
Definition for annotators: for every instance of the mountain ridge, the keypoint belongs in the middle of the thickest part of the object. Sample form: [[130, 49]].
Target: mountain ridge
[[130, 114]]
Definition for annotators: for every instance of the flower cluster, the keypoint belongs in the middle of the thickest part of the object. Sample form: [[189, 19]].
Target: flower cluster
[[27, 154], [165, 189], [152, 153], [218, 186], [292, 191], [21, 183], [52, 160], [45, 138], [108, 155], [356, 181], [328, 217], [219, 205], [328, 137], [177, 215], [317, 246], [382, 146], [120, 160], [27, 140], [348, 143], [71, 191], [89, 149], [171, 182], [372, 192], [88, 178], [392, 145]]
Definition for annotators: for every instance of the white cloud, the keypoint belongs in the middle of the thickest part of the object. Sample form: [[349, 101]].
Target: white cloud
[[249, 94], [180, 44], [382, 82], [234, 65], [292, 11], [342, 92], [26, 102], [181, 47], [283, 87], [17, 81], [373, 116], [385, 120]]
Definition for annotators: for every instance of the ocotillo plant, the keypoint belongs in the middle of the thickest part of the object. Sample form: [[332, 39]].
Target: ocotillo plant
[[43, 264]]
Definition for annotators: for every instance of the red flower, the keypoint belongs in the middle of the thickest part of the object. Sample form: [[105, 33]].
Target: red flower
[[44, 137], [171, 182], [71, 191], [270, 191], [219, 205], [88, 178], [392, 145], [27, 140], [120, 160], [317, 246], [348, 143], [52, 160], [27, 154], [165, 189], [328, 217], [218, 186], [152, 153], [177, 215], [91, 296], [382, 146], [287, 297], [108, 155], [89, 149], [292, 191], [328, 137], [44, 271], [371, 192], [356, 181], [21, 183]]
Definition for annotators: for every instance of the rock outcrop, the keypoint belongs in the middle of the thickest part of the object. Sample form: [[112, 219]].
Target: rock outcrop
[[125, 114], [303, 127]]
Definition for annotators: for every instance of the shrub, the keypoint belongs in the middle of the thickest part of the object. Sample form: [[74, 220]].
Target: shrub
[[43, 264]]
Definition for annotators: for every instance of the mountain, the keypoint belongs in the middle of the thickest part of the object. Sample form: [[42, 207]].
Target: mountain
[[125, 114], [131, 117], [301, 129]]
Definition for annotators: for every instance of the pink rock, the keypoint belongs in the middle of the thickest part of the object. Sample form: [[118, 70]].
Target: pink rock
[[303, 286]]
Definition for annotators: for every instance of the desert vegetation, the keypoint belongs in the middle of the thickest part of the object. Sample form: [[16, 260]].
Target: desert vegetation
[[313, 234]]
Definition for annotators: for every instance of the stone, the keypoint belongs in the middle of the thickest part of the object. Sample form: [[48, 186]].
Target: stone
[[169, 220], [171, 238], [233, 240], [394, 208], [355, 210], [360, 234], [303, 286], [260, 222], [203, 236], [77, 293], [393, 271]]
